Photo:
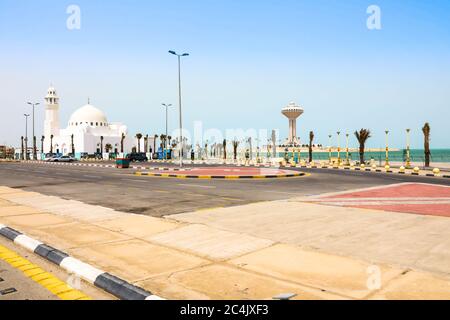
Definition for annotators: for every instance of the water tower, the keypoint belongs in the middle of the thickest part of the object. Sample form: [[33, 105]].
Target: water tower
[[292, 112]]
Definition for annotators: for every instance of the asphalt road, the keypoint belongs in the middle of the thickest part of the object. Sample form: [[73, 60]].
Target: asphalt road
[[121, 190]]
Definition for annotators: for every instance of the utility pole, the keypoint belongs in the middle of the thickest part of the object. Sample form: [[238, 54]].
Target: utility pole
[[179, 103], [34, 137], [26, 135]]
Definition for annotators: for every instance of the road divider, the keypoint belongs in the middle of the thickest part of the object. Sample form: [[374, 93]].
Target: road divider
[[219, 177]]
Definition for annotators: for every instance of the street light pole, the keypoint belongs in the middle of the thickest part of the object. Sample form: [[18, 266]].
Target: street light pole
[[408, 150], [339, 147], [167, 107], [329, 150], [34, 137], [347, 162], [179, 102], [26, 135], [387, 147]]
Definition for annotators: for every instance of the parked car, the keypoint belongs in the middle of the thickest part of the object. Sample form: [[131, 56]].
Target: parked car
[[52, 158], [49, 156], [62, 159], [137, 157]]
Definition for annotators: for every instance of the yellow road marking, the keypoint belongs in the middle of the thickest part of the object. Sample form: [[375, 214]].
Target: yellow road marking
[[232, 177], [40, 276]]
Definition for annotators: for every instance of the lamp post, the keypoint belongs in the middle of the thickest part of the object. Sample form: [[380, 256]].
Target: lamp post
[[329, 149], [179, 102], [387, 147], [339, 147], [408, 150], [347, 162], [167, 113], [26, 135], [34, 137]]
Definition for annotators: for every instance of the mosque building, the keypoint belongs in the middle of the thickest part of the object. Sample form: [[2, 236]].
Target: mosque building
[[88, 130]]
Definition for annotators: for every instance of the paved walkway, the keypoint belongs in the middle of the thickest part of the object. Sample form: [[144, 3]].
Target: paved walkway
[[255, 251]]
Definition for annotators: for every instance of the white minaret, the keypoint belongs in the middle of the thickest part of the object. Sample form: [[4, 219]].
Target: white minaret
[[51, 124], [292, 112]]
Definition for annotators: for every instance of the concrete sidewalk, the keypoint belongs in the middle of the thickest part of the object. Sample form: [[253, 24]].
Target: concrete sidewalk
[[255, 251]]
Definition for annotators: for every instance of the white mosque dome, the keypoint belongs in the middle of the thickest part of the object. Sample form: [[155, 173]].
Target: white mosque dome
[[88, 115]]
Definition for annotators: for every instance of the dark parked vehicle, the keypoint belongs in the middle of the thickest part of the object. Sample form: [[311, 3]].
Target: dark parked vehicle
[[137, 157]]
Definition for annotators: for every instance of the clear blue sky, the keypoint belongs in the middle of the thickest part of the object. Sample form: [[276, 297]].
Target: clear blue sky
[[248, 60]]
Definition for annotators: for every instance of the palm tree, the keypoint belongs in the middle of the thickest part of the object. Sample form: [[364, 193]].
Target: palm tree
[[225, 149], [426, 135], [51, 144], [121, 142], [139, 137], [34, 148], [72, 145], [146, 143], [235, 146], [311, 139], [21, 149], [42, 144], [108, 147], [101, 144], [362, 137], [163, 140], [154, 142]]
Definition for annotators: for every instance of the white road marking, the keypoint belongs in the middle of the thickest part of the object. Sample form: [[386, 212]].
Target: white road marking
[[196, 186]]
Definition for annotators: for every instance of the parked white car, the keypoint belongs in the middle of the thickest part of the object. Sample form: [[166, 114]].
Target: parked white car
[[62, 159]]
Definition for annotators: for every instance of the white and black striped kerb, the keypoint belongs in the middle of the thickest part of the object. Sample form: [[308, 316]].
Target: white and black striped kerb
[[103, 280]]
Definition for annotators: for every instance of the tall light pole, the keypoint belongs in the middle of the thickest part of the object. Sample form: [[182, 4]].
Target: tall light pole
[[339, 147], [26, 135], [167, 107], [387, 147], [179, 101], [34, 137], [329, 150], [408, 150], [347, 162]]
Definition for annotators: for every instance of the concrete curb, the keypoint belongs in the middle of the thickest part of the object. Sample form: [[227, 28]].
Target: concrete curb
[[103, 280], [210, 177], [377, 170]]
